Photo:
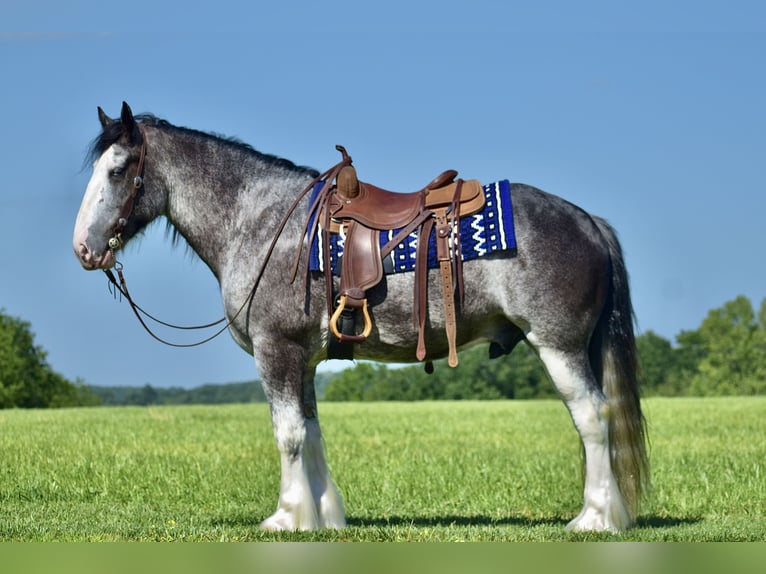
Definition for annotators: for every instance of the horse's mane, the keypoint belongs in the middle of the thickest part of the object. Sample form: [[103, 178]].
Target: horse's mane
[[113, 131]]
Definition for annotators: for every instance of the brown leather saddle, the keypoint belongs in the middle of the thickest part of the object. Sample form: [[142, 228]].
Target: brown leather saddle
[[361, 211]]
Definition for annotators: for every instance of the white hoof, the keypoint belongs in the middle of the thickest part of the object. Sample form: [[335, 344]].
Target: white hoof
[[592, 520], [282, 520], [330, 515]]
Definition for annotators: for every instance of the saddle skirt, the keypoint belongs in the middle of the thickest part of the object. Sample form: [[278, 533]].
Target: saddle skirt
[[487, 231]]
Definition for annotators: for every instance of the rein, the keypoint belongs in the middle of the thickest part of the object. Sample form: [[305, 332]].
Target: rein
[[122, 288], [116, 242]]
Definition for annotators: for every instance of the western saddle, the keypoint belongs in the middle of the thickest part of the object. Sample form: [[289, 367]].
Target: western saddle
[[361, 211]]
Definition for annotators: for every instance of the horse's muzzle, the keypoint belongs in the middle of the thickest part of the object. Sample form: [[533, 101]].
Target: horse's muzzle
[[92, 261]]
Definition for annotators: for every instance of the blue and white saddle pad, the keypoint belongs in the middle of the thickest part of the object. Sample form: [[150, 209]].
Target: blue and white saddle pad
[[488, 231]]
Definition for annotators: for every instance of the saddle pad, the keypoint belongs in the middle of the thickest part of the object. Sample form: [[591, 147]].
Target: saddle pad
[[488, 231]]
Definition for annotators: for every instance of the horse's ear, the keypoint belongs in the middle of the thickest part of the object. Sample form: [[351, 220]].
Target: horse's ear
[[103, 118], [129, 125]]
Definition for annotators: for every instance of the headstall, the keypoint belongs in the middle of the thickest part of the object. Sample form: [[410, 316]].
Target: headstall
[[115, 242]]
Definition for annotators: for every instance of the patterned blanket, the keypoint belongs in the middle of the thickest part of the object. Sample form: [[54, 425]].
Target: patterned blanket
[[485, 232]]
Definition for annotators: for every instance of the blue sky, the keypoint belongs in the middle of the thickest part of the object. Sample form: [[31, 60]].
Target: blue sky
[[650, 114]]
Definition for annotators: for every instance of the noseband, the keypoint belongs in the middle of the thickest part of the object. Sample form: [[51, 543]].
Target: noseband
[[115, 242]]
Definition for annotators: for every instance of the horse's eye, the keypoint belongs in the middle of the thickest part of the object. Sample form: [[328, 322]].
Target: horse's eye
[[117, 172]]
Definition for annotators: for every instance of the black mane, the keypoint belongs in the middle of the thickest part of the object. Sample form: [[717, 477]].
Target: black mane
[[113, 131]]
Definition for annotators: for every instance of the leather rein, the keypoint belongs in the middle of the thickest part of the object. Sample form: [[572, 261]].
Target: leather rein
[[116, 242]]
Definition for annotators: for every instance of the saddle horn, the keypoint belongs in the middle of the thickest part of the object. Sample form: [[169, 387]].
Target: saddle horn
[[347, 180]]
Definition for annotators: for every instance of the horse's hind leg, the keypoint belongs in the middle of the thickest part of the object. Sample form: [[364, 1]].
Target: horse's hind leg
[[308, 498], [604, 507]]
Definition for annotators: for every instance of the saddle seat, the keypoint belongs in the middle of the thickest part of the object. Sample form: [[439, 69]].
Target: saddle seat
[[378, 208]]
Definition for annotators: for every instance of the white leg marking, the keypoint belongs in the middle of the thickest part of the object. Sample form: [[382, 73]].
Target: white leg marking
[[295, 509], [604, 507], [308, 499]]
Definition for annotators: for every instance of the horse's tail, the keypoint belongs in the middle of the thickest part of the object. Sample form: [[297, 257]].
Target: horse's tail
[[615, 359]]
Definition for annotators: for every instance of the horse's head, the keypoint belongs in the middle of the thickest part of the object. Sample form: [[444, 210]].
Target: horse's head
[[113, 208]]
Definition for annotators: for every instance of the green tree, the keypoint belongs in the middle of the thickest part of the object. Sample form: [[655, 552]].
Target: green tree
[[144, 396], [734, 360], [691, 349], [473, 379], [660, 368], [26, 379], [350, 384]]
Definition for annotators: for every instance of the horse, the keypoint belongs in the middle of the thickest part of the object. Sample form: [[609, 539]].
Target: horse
[[564, 292]]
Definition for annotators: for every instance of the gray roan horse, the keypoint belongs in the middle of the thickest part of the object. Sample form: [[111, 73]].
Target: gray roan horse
[[565, 293]]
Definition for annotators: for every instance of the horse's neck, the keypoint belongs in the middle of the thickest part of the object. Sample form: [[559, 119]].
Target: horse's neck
[[219, 205]]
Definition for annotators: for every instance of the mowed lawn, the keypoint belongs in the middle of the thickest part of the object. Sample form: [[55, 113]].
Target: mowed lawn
[[433, 471]]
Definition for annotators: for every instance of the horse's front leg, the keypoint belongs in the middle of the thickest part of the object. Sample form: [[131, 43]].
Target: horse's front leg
[[308, 498]]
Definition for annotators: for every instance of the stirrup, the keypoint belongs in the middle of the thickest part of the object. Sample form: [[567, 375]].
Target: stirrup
[[350, 338]]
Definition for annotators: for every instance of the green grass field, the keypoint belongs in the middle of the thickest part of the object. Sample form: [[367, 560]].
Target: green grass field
[[447, 471]]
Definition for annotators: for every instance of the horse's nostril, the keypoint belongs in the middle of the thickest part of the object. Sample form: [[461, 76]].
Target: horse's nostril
[[85, 254]]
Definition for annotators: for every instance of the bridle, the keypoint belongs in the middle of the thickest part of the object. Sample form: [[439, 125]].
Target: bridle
[[116, 242]]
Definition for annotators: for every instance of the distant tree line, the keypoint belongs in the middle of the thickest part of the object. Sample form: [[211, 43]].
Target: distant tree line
[[147, 395], [726, 355], [211, 394]]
